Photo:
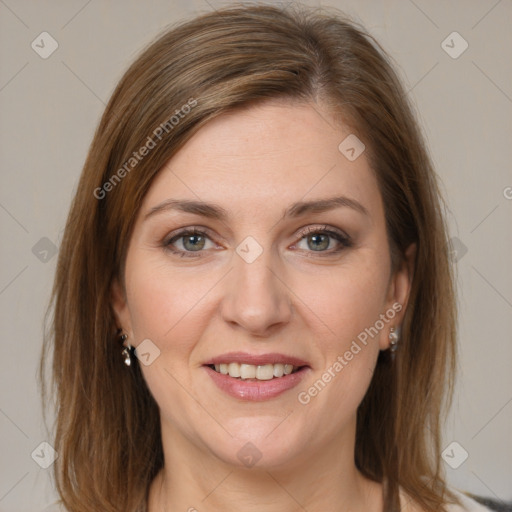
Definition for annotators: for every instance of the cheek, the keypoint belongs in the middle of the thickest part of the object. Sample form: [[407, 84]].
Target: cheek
[[169, 309], [350, 310], [347, 300], [348, 305], [163, 302]]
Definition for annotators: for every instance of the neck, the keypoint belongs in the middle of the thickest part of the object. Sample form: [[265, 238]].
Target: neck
[[194, 480]]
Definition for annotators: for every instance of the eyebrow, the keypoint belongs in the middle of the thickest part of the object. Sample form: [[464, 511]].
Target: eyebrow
[[214, 211]]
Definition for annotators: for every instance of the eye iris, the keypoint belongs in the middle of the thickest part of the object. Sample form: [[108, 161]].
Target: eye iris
[[324, 244], [194, 246]]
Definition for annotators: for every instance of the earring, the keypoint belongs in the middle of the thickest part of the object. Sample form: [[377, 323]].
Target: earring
[[393, 342], [126, 350]]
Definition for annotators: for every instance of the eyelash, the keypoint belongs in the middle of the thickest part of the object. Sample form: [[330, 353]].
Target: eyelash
[[341, 238]]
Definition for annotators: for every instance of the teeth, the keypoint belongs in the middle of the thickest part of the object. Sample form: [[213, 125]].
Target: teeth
[[260, 372], [265, 372], [234, 370], [247, 371], [278, 370]]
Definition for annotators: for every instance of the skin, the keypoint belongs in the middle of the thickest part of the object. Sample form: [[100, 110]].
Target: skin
[[292, 299]]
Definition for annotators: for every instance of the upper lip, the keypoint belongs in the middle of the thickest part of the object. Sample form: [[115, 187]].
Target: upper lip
[[256, 359]]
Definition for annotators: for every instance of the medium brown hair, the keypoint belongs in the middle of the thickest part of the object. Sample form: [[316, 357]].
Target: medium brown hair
[[107, 431]]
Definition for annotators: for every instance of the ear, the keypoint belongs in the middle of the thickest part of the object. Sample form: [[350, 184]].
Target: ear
[[398, 293], [120, 307]]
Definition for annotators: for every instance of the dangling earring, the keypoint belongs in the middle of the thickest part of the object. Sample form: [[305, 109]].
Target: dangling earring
[[393, 342], [126, 350]]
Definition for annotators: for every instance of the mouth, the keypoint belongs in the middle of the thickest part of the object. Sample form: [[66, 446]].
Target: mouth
[[251, 372], [256, 377]]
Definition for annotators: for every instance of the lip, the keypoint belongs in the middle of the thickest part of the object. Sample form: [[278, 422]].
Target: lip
[[254, 390], [256, 359]]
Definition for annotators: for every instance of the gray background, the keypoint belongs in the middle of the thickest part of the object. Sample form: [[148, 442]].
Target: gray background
[[50, 108]]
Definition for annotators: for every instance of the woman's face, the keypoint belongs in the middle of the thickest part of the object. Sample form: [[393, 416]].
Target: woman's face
[[288, 269]]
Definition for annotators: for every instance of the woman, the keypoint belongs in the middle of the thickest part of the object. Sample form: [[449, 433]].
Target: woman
[[254, 307]]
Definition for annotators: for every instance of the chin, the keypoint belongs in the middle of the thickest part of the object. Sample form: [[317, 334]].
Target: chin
[[259, 443]]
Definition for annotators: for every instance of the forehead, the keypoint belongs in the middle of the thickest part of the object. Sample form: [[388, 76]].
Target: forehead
[[266, 157]]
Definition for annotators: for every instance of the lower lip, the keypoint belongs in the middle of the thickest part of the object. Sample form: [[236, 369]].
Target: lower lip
[[256, 390]]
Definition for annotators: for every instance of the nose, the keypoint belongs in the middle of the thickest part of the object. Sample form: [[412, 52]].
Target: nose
[[256, 299]]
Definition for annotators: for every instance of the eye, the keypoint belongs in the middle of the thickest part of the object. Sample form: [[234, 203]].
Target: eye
[[189, 241], [323, 240], [192, 241]]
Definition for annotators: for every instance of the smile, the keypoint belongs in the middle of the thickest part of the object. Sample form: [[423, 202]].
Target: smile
[[257, 372]]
